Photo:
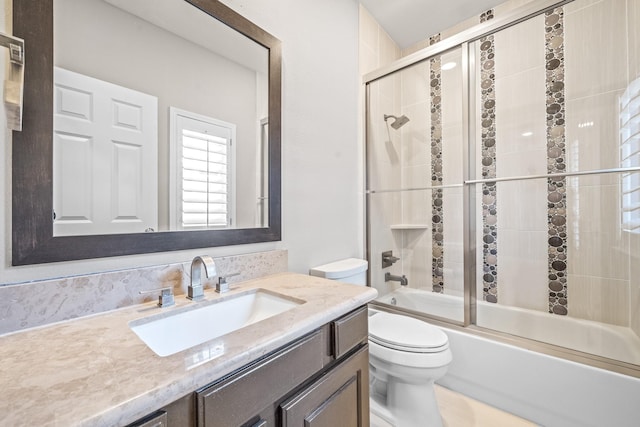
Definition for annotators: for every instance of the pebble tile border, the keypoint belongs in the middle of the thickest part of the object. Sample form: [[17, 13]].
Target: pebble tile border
[[437, 199], [556, 153], [489, 196]]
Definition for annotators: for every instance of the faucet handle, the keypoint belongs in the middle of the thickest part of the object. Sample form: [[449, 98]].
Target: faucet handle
[[222, 285], [165, 299]]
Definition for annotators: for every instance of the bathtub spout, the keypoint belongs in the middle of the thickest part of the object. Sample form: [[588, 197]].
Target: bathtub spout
[[390, 277]]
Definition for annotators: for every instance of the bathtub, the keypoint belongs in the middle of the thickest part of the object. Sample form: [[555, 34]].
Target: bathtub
[[614, 342], [544, 389]]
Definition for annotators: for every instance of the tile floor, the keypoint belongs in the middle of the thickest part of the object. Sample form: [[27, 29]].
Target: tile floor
[[458, 410]]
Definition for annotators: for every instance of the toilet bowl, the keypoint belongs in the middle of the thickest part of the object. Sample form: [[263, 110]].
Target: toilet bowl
[[406, 357]]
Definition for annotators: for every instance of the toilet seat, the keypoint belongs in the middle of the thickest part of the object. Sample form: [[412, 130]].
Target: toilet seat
[[406, 334]]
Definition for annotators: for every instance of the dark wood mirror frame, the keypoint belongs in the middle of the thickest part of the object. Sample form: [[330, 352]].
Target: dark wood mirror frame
[[32, 168]]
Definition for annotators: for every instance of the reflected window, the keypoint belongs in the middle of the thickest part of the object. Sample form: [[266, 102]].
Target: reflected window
[[203, 172], [630, 156]]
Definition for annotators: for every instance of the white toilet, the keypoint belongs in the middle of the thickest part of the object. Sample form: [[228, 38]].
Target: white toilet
[[406, 356]]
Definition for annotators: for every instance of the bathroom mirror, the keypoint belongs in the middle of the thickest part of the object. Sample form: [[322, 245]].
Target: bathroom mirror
[[201, 56]]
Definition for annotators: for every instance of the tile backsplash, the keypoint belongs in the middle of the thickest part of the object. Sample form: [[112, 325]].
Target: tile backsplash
[[38, 303]]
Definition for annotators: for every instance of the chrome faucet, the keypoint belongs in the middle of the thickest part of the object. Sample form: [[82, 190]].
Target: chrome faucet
[[390, 277], [195, 290]]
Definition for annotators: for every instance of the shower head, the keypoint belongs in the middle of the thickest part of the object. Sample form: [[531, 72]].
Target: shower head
[[398, 122]]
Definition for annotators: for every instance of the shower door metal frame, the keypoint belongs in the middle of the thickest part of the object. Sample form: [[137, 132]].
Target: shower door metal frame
[[464, 40]]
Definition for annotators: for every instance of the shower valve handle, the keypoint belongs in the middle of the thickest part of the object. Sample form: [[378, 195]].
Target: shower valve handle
[[388, 259]]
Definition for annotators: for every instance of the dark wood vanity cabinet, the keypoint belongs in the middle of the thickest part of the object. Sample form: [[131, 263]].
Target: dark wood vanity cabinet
[[339, 398], [180, 413], [321, 379]]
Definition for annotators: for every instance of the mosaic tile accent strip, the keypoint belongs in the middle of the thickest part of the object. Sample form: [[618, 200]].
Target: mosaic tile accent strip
[[485, 16], [489, 196], [437, 218], [557, 195]]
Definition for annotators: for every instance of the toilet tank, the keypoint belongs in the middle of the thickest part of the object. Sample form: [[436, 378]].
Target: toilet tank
[[350, 270]]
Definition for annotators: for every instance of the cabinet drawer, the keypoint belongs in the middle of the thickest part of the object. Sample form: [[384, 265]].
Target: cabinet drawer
[[241, 397], [349, 331]]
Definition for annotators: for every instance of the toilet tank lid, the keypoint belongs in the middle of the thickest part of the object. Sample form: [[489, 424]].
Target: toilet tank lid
[[339, 269]]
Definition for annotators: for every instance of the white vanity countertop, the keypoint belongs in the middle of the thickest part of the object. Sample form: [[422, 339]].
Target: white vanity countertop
[[95, 371]]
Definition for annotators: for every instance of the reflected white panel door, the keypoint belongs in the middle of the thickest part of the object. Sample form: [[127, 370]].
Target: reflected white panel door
[[105, 168]]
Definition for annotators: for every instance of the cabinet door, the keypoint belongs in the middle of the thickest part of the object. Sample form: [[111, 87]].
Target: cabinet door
[[240, 399], [338, 398]]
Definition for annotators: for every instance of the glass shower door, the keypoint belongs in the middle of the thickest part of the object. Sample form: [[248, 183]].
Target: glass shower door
[[415, 186], [503, 181], [557, 254]]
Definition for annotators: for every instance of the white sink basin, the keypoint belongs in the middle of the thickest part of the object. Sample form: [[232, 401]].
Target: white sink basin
[[178, 330]]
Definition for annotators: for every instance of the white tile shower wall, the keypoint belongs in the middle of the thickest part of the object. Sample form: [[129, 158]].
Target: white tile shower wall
[[499, 10], [508, 6], [601, 299], [599, 244], [596, 47], [633, 17], [385, 146], [592, 126], [384, 173], [597, 72], [521, 150], [38, 303], [415, 170], [452, 174], [634, 273], [367, 41], [376, 46]]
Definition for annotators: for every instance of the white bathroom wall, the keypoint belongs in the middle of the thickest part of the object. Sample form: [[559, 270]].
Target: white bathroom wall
[[322, 168], [321, 171]]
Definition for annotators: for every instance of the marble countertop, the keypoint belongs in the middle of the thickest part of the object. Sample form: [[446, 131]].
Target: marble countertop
[[95, 371]]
